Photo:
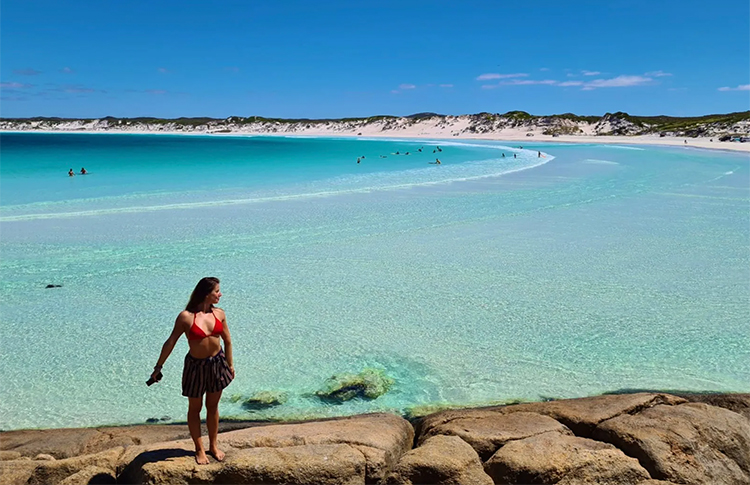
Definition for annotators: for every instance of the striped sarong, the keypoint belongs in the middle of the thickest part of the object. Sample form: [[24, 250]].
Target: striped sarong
[[200, 376]]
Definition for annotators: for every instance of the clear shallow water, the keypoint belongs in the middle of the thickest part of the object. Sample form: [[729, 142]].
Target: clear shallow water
[[606, 268]]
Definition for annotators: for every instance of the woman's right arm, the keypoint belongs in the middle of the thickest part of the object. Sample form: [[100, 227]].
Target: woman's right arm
[[166, 349]]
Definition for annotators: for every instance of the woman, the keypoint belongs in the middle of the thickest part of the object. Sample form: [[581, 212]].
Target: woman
[[208, 370]]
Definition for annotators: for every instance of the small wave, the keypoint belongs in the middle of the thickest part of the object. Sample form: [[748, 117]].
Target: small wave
[[620, 147], [602, 162]]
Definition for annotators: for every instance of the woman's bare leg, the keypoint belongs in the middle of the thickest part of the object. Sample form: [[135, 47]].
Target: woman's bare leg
[[195, 404], [212, 423]]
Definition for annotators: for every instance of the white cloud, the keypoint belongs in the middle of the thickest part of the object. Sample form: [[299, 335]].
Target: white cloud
[[741, 87], [395, 91], [66, 70], [527, 82], [657, 74], [446, 85], [590, 73], [544, 68], [80, 89], [619, 82], [27, 72], [163, 70], [406, 86], [489, 76], [616, 82], [14, 85]]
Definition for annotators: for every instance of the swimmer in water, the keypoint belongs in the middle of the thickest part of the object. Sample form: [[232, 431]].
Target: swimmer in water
[[71, 173], [83, 171]]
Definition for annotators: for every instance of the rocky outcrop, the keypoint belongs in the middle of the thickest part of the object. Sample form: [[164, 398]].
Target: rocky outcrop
[[642, 438]]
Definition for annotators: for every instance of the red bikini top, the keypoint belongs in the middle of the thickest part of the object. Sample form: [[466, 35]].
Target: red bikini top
[[196, 333]]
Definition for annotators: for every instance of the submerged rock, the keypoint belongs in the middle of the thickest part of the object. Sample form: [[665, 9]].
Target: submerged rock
[[368, 384], [263, 400]]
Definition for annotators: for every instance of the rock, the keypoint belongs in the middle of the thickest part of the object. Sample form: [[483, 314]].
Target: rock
[[386, 438], [165, 418], [691, 443], [9, 455], [558, 458], [44, 457], [174, 463], [152, 420], [651, 481], [486, 433], [311, 464], [368, 384], [584, 414], [16, 472], [68, 442], [58, 470], [91, 475], [59, 443], [739, 403], [53, 286], [440, 460], [581, 415], [265, 399]]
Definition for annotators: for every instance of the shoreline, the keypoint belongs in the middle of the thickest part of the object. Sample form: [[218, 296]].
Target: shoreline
[[515, 136], [413, 414]]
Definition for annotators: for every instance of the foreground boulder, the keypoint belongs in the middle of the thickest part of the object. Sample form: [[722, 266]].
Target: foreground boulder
[[440, 460], [555, 457], [488, 432], [691, 443]]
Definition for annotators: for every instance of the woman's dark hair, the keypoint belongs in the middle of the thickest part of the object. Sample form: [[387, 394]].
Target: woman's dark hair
[[202, 289]]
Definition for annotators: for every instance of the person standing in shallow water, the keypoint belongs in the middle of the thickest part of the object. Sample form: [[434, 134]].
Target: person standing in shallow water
[[207, 370]]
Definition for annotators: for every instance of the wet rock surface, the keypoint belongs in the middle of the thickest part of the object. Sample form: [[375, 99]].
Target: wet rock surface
[[643, 438]]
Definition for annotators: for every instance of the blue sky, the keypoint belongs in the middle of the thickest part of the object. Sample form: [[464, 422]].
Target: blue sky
[[332, 59]]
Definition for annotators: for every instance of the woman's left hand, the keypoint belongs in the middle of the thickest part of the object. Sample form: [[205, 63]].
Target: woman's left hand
[[231, 368]]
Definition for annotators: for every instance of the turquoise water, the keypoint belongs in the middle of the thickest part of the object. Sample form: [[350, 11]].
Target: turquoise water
[[594, 269]]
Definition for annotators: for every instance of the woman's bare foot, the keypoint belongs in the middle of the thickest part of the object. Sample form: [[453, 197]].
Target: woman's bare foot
[[200, 457], [216, 453]]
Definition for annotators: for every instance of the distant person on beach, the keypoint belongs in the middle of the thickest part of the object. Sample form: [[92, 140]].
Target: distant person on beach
[[207, 369], [358, 160], [503, 155], [436, 162], [71, 173], [83, 171], [514, 155], [539, 154]]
